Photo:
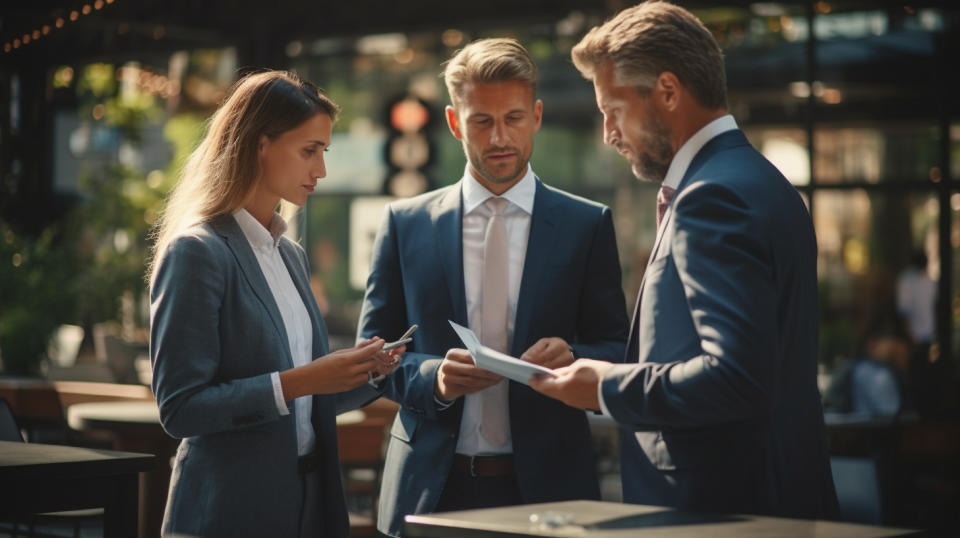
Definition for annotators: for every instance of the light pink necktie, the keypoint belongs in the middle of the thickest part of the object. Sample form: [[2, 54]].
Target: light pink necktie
[[493, 326], [664, 195]]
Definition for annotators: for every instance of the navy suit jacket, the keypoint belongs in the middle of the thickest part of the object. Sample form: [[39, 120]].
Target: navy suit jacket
[[216, 336], [722, 412], [570, 289]]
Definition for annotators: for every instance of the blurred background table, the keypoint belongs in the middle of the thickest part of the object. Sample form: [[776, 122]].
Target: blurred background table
[[133, 426], [361, 437], [43, 478], [125, 417]]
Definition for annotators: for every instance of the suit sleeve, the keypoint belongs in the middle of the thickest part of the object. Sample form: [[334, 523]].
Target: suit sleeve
[[186, 298], [724, 263], [602, 318], [384, 314]]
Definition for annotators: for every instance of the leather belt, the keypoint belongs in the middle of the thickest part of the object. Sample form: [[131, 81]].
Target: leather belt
[[483, 466], [308, 463]]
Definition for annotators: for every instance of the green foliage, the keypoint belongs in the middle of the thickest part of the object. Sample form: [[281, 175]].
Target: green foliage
[[132, 114], [33, 302], [98, 80], [77, 270], [110, 237]]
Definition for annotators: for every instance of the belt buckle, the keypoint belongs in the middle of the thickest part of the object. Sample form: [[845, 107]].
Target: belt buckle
[[473, 467]]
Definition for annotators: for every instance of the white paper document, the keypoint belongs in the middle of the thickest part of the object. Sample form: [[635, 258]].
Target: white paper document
[[496, 362]]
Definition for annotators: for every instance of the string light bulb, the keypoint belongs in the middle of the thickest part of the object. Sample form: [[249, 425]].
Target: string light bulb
[[59, 22]]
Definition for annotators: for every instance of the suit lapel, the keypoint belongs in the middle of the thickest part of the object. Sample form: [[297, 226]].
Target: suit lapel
[[323, 405], [717, 144], [540, 244], [447, 219], [227, 227], [300, 280], [721, 142]]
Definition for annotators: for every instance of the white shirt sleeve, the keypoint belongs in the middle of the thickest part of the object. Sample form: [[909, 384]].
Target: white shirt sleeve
[[375, 381], [603, 405], [278, 394], [443, 404]]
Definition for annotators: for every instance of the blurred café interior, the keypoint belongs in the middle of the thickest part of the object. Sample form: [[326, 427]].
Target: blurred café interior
[[857, 102]]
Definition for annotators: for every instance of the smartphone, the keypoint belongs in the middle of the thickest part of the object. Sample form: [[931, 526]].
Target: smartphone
[[403, 340]]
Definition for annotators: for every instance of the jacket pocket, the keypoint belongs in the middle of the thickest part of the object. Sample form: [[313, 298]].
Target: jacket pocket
[[665, 455]]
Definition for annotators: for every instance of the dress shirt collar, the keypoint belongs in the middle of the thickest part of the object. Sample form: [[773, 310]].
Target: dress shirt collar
[[681, 161], [258, 236], [520, 195]]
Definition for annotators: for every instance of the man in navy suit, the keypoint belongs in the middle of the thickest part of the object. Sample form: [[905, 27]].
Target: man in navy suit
[[718, 401], [532, 270]]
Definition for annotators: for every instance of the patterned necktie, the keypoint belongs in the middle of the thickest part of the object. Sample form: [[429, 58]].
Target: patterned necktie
[[494, 423], [664, 195]]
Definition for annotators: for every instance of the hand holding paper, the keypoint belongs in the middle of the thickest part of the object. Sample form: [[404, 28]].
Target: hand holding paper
[[459, 376], [500, 363], [575, 385], [551, 352]]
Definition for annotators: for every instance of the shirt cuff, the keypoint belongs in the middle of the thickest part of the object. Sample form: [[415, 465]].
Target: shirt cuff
[[278, 394], [603, 406], [375, 381], [442, 404]]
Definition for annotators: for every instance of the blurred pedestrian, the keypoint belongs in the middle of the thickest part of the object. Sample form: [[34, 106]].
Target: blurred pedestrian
[[873, 384]]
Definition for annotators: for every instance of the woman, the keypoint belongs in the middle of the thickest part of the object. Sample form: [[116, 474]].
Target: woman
[[235, 329]]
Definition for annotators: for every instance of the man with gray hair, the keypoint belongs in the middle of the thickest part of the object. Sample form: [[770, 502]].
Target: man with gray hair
[[532, 270], [718, 400]]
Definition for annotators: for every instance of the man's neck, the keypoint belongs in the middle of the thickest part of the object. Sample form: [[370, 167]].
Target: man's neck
[[689, 123]]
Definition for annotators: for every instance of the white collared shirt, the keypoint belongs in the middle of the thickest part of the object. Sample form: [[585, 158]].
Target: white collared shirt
[[681, 161], [678, 168], [517, 215], [296, 319]]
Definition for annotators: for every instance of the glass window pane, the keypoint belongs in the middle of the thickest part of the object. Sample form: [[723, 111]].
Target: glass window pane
[[955, 277], [955, 150], [761, 25], [786, 148], [875, 64], [846, 20], [866, 243], [765, 55], [877, 153]]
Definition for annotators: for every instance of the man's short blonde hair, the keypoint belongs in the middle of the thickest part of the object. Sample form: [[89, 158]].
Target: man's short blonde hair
[[647, 39], [488, 61]]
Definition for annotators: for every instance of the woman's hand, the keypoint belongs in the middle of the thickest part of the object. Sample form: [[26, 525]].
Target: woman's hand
[[339, 371], [387, 361]]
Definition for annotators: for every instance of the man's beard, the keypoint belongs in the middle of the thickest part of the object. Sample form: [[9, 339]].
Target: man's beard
[[649, 169], [488, 174], [653, 164]]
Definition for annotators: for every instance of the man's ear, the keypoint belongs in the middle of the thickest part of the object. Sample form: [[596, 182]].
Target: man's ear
[[453, 122], [537, 115], [667, 90]]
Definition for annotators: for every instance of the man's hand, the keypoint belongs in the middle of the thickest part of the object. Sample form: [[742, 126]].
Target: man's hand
[[458, 376], [574, 385], [550, 353]]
